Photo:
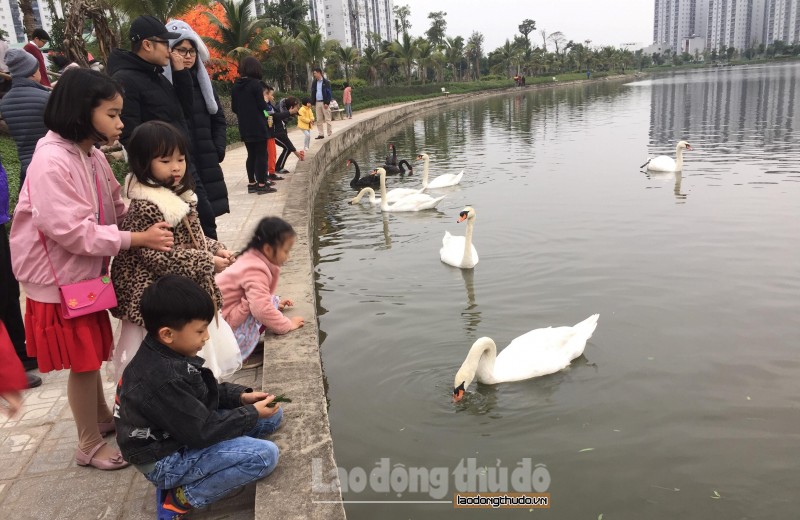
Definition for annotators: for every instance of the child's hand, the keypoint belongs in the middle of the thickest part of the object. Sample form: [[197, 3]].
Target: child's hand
[[228, 255], [158, 237], [300, 155], [254, 397], [13, 403], [264, 410], [297, 322], [220, 264], [285, 303]]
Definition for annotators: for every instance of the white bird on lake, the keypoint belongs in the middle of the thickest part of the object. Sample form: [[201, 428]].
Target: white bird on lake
[[664, 163], [413, 202], [442, 181], [459, 251], [535, 353]]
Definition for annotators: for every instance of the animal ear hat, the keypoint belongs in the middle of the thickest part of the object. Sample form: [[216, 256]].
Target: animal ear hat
[[203, 56]]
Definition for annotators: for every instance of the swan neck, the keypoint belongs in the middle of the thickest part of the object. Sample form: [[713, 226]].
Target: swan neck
[[468, 240], [358, 171], [679, 159], [481, 358], [425, 173], [384, 202]]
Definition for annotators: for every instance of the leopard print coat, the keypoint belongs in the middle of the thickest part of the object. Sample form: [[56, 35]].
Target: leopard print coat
[[135, 269]]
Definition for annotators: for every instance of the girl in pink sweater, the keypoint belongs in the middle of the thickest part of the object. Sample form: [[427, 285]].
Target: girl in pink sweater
[[248, 286]]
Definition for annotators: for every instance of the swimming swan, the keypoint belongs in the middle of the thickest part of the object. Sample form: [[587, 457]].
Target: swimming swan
[[365, 191], [413, 202], [535, 353], [442, 181], [459, 251], [358, 181], [664, 163]]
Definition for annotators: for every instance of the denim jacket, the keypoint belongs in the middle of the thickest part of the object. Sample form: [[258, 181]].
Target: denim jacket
[[166, 401]]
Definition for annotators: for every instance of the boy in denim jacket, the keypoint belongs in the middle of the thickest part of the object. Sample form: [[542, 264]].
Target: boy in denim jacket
[[195, 439]]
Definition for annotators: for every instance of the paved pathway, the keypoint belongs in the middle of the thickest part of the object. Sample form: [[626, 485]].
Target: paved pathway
[[38, 475]]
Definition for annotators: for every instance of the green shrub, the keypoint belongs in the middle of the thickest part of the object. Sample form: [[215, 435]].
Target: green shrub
[[493, 77], [356, 83]]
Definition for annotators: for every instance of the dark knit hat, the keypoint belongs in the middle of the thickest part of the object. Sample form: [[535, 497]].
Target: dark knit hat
[[21, 64]]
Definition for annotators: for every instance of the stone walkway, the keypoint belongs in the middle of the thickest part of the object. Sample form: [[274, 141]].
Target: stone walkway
[[38, 475]]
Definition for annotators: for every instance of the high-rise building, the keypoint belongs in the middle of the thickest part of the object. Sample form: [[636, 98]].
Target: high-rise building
[[735, 23], [676, 20], [782, 21], [11, 18], [352, 22]]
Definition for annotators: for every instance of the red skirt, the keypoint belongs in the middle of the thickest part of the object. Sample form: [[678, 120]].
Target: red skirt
[[80, 344]]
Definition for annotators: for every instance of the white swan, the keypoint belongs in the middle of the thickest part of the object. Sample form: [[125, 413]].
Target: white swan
[[365, 191], [535, 353], [414, 202], [664, 163], [459, 251], [442, 181]]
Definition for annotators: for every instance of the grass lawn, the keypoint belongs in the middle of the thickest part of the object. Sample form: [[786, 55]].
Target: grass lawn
[[8, 154]]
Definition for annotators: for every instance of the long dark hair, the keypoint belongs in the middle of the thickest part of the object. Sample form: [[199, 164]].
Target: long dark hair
[[271, 231], [153, 140]]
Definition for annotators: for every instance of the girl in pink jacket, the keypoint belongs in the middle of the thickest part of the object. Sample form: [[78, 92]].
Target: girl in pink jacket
[[248, 286], [68, 185]]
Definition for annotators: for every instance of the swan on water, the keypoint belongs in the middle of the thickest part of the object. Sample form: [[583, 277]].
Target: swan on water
[[535, 353], [459, 251], [442, 181], [664, 163], [413, 202], [360, 182], [365, 191]]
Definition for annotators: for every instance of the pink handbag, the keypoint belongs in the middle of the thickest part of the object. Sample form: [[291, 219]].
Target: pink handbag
[[87, 296]]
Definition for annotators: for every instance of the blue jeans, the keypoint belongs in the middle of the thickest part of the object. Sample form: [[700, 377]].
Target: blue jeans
[[306, 139], [208, 474], [348, 109]]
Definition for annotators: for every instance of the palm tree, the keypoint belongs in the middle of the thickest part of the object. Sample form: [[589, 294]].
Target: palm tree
[[474, 52], [424, 57], [454, 52], [508, 55], [161, 9], [405, 52], [347, 56], [283, 50], [240, 34], [373, 61]]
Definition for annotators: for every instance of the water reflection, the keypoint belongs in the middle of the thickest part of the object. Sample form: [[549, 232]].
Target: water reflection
[[674, 178], [387, 237], [471, 315]]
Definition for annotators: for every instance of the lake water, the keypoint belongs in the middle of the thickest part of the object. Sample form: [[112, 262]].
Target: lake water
[[686, 403]]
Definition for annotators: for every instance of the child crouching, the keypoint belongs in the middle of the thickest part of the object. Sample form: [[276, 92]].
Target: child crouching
[[195, 439]]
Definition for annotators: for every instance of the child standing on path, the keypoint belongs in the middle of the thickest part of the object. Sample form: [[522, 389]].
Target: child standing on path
[[347, 99], [305, 121], [272, 154], [64, 226], [196, 440], [160, 191], [248, 287]]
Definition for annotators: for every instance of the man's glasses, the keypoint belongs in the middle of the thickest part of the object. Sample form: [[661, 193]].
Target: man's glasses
[[186, 53]]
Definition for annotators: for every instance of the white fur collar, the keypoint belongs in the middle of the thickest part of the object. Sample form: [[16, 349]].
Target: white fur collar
[[173, 207]]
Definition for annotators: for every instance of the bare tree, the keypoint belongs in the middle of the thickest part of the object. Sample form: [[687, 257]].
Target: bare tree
[[543, 33]]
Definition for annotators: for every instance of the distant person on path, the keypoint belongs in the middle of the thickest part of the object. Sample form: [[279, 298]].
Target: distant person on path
[[39, 39], [63, 232], [23, 106], [272, 154], [161, 190], [305, 122], [321, 95], [248, 287], [194, 439], [207, 124], [291, 106], [149, 96], [347, 100], [247, 102]]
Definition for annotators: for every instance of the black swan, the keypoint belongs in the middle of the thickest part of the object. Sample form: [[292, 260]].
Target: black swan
[[391, 159], [359, 182]]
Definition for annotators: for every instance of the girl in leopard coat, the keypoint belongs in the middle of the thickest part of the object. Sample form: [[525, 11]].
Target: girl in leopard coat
[[160, 191]]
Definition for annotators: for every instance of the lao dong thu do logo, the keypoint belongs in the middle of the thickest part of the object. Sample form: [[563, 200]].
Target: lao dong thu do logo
[[437, 482]]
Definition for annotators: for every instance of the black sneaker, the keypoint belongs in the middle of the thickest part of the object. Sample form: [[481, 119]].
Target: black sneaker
[[251, 188], [33, 380], [320, 137], [261, 190], [274, 177]]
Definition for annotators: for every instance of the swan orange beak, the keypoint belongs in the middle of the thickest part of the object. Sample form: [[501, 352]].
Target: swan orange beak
[[458, 393], [348, 163], [689, 147]]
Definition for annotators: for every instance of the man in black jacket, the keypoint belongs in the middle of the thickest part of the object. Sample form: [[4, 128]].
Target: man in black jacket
[[150, 96]]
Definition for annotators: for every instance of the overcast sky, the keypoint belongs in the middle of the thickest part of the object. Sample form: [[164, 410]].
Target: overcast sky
[[605, 22]]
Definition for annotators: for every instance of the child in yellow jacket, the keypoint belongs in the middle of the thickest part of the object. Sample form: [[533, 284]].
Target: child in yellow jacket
[[305, 121]]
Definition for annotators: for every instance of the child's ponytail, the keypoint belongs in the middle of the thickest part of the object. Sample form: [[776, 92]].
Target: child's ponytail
[[271, 231]]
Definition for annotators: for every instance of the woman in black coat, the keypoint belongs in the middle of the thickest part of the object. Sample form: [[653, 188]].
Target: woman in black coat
[[207, 123], [247, 100]]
